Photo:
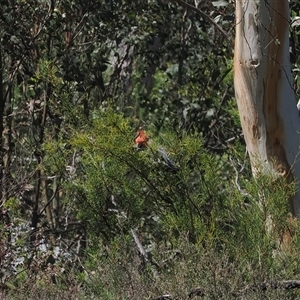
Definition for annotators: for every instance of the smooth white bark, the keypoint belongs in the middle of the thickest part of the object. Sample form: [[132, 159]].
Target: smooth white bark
[[264, 89]]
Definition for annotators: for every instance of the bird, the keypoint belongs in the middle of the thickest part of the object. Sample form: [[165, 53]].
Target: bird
[[166, 160], [141, 139], [142, 142]]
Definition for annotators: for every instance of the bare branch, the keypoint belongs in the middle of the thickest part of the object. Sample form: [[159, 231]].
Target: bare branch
[[206, 17], [273, 285], [266, 285], [139, 245]]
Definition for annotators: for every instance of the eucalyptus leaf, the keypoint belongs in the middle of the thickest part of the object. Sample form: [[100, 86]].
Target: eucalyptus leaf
[[295, 21]]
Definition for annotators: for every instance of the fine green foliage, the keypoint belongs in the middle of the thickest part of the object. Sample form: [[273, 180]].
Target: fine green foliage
[[227, 227], [125, 188], [204, 224], [83, 213]]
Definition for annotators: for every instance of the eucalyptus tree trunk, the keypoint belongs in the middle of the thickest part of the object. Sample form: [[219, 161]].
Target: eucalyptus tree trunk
[[264, 89], [2, 106]]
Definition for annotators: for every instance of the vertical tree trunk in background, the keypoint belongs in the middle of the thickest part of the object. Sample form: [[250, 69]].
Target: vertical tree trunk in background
[[2, 106], [263, 87]]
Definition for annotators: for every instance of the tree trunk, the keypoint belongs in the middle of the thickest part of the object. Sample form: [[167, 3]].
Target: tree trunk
[[264, 89], [2, 106]]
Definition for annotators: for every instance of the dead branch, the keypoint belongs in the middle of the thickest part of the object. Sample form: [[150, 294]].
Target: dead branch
[[139, 246], [206, 17], [163, 297], [273, 285], [263, 286]]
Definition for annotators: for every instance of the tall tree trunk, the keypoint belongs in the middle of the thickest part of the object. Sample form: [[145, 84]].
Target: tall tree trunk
[[264, 89], [2, 105]]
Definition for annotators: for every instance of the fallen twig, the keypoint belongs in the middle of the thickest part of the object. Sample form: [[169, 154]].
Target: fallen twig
[[263, 286]]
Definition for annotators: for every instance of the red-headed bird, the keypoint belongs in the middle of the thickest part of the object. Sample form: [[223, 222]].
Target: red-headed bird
[[142, 141]]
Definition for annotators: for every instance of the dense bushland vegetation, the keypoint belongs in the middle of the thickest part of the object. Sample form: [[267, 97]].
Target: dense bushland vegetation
[[83, 213]]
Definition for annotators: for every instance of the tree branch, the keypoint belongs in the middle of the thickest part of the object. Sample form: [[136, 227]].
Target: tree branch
[[206, 17], [273, 285], [264, 286]]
